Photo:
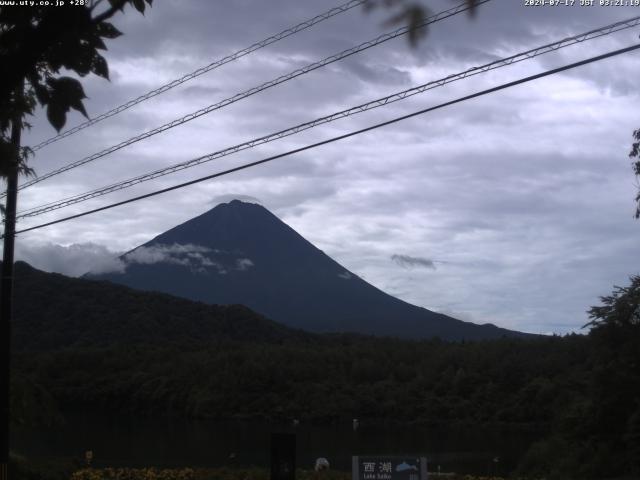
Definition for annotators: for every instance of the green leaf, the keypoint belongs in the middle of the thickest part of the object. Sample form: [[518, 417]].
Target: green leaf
[[98, 43], [100, 66], [106, 30], [66, 88], [139, 5], [57, 115], [83, 61], [66, 92], [42, 93], [417, 31], [119, 4], [79, 106]]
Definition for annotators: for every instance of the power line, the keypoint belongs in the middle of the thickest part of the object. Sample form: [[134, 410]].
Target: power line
[[335, 116], [344, 113], [252, 91], [212, 66], [340, 137]]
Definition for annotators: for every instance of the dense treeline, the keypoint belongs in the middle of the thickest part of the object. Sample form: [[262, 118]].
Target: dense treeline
[[507, 381], [581, 392], [548, 385], [52, 311]]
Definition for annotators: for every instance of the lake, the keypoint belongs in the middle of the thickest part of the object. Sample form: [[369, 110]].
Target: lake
[[176, 442]]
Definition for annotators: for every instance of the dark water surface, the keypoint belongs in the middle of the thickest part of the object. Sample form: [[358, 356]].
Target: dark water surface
[[175, 442]]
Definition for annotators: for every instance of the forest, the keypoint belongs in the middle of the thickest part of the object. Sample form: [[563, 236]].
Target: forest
[[580, 392]]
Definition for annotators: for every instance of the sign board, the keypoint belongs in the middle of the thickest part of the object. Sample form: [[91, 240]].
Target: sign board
[[389, 468]]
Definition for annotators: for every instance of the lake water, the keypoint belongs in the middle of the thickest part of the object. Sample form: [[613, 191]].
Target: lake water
[[175, 442]]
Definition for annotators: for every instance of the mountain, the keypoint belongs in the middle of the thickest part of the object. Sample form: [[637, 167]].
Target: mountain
[[95, 347], [53, 312], [240, 253]]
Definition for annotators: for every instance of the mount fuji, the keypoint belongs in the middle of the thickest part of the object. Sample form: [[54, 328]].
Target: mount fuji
[[240, 253]]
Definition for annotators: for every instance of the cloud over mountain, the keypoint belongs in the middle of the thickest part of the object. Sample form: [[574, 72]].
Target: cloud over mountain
[[187, 255], [271, 269], [73, 260], [492, 178]]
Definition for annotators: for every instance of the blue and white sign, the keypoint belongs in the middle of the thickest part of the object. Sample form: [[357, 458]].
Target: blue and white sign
[[389, 468]]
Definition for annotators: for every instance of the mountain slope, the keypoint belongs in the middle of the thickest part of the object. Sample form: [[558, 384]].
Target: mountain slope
[[240, 253], [52, 311]]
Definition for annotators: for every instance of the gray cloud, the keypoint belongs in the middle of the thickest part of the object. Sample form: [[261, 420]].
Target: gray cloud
[[406, 261], [535, 178], [376, 73], [195, 257], [243, 264], [228, 197], [73, 260], [176, 254]]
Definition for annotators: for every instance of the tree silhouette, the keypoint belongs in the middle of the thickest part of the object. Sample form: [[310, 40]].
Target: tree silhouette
[[621, 309], [635, 153], [411, 13], [36, 43], [614, 416]]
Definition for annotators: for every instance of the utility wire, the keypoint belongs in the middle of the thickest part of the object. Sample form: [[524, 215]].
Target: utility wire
[[551, 47], [252, 91], [340, 137], [212, 66]]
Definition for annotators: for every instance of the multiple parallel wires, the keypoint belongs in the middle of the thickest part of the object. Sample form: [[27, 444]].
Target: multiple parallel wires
[[341, 137], [252, 91], [207, 68], [380, 102], [377, 103]]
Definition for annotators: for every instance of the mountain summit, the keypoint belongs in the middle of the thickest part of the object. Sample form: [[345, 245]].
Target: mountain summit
[[240, 253]]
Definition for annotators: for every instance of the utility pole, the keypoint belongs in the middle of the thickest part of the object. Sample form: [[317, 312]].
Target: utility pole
[[6, 295]]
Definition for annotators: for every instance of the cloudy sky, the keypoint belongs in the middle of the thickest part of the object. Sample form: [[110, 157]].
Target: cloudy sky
[[515, 208]]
